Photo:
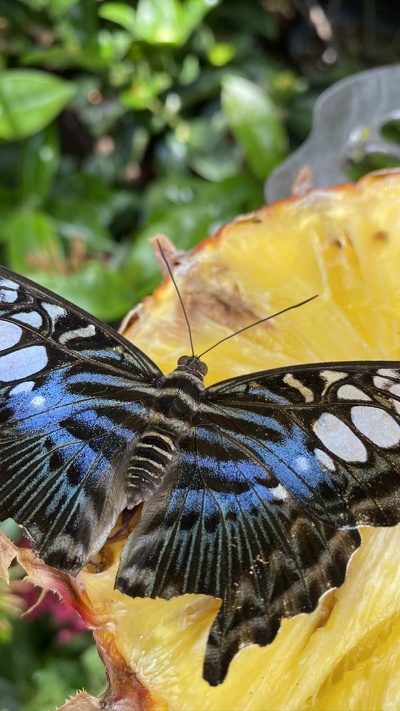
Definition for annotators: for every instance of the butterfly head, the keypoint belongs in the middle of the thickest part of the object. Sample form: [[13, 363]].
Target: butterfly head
[[192, 364]]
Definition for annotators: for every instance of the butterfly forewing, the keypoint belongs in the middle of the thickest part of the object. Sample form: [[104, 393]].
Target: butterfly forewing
[[330, 433], [73, 396], [48, 319]]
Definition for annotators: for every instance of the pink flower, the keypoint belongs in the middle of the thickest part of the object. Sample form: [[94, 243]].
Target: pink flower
[[38, 602]]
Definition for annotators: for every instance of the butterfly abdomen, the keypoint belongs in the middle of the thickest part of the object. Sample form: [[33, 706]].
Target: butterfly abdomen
[[149, 464], [175, 404]]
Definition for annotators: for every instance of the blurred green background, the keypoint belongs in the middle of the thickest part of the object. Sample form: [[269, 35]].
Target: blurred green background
[[120, 120]]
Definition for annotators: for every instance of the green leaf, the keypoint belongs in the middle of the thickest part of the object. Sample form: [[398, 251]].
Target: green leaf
[[146, 85], [54, 681], [80, 219], [167, 22], [31, 240], [40, 156], [96, 288], [207, 147], [113, 46], [11, 530], [254, 121], [120, 13], [35, 5], [170, 21], [94, 669], [74, 188], [57, 8], [221, 53], [186, 211], [29, 100], [8, 694], [8, 200]]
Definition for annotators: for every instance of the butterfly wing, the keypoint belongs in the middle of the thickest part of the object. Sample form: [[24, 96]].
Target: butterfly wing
[[260, 494], [330, 433], [226, 530], [73, 396]]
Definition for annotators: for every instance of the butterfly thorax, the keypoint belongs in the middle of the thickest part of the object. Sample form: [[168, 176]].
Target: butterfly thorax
[[181, 390], [177, 401]]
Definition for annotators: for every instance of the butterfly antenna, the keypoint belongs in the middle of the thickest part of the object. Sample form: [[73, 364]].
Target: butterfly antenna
[[165, 260], [257, 323]]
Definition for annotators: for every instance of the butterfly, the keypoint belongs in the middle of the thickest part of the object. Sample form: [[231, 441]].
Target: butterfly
[[252, 488]]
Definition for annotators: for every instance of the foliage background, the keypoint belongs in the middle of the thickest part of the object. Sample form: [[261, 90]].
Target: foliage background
[[119, 120]]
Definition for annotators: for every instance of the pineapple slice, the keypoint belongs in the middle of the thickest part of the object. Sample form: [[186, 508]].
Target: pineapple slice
[[344, 245]]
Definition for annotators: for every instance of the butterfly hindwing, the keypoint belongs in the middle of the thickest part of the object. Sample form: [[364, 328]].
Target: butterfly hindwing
[[73, 395], [228, 528], [253, 511]]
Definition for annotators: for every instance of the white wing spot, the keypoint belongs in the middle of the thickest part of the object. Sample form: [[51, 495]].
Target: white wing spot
[[31, 318], [293, 382], [388, 372], [339, 439], [350, 392], [7, 296], [8, 284], [24, 387], [279, 492], [37, 401], [376, 424], [302, 464], [22, 363], [325, 460], [331, 376], [55, 312], [10, 335], [396, 405], [395, 390], [383, 383], [77, 333]]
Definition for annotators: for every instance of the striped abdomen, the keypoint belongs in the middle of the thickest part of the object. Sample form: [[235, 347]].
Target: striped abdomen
[[150, 461]]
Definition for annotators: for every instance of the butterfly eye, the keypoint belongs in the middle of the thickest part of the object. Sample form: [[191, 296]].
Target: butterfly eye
[[192, 364]]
